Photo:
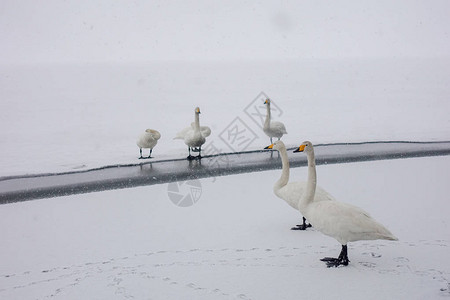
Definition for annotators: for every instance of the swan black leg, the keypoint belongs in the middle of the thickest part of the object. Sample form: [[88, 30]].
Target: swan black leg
[[140, 151], [190, 156], [150, 154], [302, 226], [199, 152], [342, 260]]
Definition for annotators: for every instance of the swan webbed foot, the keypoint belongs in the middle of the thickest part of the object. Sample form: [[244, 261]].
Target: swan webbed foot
[[190, 157], [301, 227], [335, 262], [342, 260]]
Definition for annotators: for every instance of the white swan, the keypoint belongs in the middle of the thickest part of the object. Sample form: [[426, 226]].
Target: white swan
[[148, 140], [292, 191], [344, 222], [194, 136], [273, 128]]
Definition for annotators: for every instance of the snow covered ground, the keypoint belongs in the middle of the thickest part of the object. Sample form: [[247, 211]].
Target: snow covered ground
[[234, 243]]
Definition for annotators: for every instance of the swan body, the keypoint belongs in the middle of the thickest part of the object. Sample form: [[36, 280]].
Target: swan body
[[291, 192], [205, 131], [341, 221], [273, 128], [194, 136], [148, 140]]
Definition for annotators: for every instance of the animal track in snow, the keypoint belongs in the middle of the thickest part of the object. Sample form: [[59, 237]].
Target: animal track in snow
[[401, 260], [157, 265], [368, 264], [372, 254]]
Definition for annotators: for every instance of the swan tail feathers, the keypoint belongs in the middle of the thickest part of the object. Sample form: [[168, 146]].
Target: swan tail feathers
[[385, 234], [391, 238]]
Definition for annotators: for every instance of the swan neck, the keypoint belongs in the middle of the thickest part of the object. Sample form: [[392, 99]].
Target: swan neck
[[312, 180], [268, 115], [285, 169], [197, 121]]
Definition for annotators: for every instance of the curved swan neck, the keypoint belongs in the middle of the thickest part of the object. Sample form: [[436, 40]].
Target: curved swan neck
[[285, 169], [310, 191]]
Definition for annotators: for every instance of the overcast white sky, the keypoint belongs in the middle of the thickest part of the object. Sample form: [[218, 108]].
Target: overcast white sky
[[90, 31]]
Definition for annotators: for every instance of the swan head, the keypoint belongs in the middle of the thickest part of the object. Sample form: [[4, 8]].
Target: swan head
[[155, 133], [197, 110], [305, 147], [267, 101], [276, 146]]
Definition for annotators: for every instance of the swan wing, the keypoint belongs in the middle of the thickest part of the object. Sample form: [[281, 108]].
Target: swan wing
[[345, 222], [322, 195], [278, 127], [291, 193], [148, 139], [183, 133], [205, 130]]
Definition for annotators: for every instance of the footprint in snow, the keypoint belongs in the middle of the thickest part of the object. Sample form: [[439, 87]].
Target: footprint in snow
[[372, 254], [401, 260], [368, 264]]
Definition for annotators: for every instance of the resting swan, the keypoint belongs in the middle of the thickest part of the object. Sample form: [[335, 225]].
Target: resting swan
[[148, 139], [194, 136], [344, 222], [292, 191], [273, 128]]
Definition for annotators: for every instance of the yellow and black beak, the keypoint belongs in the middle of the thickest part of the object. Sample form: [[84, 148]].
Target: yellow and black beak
[[300, 149], [197, 110], [269, 147]]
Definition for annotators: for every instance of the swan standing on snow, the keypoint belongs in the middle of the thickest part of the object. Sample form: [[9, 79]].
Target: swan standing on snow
[[344, 222], [194, 136], [273, 128], [291, 192], [148, 139]]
